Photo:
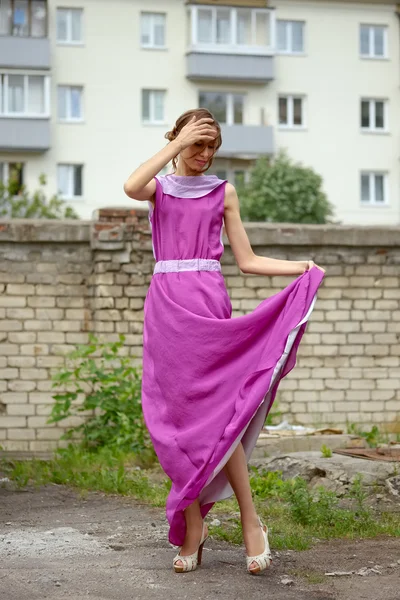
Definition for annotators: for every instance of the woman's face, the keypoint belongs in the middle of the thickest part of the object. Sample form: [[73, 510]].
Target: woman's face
[[197, 156]]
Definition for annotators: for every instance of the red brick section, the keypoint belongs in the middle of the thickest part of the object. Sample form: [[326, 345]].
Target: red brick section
[[134, 220]]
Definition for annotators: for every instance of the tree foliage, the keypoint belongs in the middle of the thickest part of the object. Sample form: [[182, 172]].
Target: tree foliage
[[282, 191], [16, 202]]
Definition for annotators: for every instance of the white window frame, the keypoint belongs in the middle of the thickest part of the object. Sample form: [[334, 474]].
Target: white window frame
[[290, 100], [289, 37], [370, 54], [372, 109], [68, 118], [152, 45], [152, 120], [234, 47], [69, 41], [70, 181], [4, 112], [372, 182], [230, 108], [6, 170]]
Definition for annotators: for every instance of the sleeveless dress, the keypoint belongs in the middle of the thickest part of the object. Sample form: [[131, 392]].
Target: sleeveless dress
[[209, 380]]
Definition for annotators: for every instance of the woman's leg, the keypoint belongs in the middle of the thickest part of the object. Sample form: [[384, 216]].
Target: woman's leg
[[238, 476], [194, 528]]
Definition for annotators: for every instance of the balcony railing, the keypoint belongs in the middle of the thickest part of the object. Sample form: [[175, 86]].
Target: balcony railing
[[23, 18], [231, 43], [246, 141]]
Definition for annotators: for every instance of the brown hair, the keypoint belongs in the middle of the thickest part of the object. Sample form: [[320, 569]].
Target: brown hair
[[199, 113]]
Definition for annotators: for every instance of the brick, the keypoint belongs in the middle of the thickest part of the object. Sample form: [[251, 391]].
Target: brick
[[338, 315], [34, 349], [21, 386], [386, 304], [49, 361], [67, 326], [23, 410], [362, 384], [41, 302], [8, 349], [52, 290], [374, 326], [372, 406], [377, 350], [337, 282], [13, 446], [9, 325], [77, 314], [108, 315], [358, 395], [382, 394], [6, 421], [33, 373], [20, 434], [114, 291], [48, 433], [243, 293], [12, 278], [393, 405], [21, 361], [22, 337], [51, 314], [360, 338], [363, 304], [311, 384], [136, 291], [385, 338], [8, 373], [347, 326], [14, 398], [109, 302], [77, 338], [337, 384], [332, 395], [37, 325], [333, 338], [70, 302], [41, 446], [388, 384], [254, 282], [20, 289], [249, 304], [36, 421]]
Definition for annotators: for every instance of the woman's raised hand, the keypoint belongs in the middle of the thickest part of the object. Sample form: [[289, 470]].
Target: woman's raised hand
[[201, 130]]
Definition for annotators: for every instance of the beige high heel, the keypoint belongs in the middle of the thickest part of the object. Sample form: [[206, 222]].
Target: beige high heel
[[263, 560], [190, 562]]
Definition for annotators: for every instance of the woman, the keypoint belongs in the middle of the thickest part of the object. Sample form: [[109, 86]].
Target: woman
[[209, 380]]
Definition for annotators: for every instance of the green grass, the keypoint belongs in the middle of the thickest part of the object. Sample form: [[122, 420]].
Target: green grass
[[296, 517]]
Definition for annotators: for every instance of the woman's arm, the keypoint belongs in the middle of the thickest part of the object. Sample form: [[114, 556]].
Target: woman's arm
[[141, 184], [247, 261]]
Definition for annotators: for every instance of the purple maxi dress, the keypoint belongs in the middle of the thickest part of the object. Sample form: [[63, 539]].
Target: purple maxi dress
[[209, 380]]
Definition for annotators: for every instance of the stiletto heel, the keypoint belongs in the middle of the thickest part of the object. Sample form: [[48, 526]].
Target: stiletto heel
[[190, 562], [262, 560]]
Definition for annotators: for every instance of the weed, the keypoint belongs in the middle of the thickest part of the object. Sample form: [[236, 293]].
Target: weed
[[325, 451], [103, 387]]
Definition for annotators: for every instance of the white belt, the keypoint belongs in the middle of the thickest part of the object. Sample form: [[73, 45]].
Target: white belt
[[192, 264]]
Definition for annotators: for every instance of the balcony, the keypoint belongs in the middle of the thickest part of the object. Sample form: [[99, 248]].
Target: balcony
[[246, 141], [24, 135], [231, 44], [24, 53], [23, 34]]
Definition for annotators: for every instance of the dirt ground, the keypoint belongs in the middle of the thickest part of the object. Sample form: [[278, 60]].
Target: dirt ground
[[55, 545]]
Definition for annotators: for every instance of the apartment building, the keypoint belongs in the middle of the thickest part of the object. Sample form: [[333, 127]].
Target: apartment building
[[88, 88]]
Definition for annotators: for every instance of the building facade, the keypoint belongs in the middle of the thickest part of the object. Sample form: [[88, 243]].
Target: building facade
[[89, 88]]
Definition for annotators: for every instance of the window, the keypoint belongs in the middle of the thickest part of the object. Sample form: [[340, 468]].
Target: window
[[153, 110], [25, 18], [12, 173], [69, 181], [235, 176], [290, 37], [233, 27], [70, 25], [226, 108], [70, 103], [373, 41], [152, 30], [291, 111], [373, 115], [24, 95], [374, 188]]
